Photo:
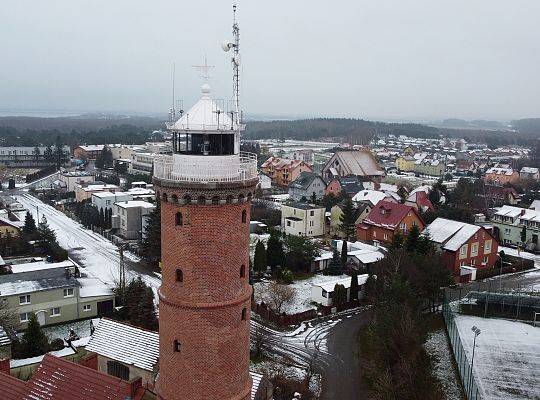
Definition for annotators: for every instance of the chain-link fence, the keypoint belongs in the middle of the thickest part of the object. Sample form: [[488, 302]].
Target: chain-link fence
[[463, 364]]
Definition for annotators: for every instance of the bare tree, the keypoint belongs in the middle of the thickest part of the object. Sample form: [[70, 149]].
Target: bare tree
[[277, 296], [8, 316], [259, 340]]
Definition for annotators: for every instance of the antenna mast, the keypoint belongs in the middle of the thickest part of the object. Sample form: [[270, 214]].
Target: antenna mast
[[236, 66], [172, 111]]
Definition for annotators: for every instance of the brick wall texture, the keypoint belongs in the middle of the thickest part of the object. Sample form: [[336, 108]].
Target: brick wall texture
[[204, 311]]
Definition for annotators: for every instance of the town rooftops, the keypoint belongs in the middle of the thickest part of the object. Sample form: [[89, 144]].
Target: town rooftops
[[280, 163], [135, 204], [369, 196], [39, 266], [346, 282], [92, 147], [304, 180], [303, 206], [529, 170], [388, 215], [59, 379], [125, 343], [93, 287], [451, 235], [98, 187], [526, 214], [357, 162], [500, 171], [33, 281], [76, 173], [105, 195]]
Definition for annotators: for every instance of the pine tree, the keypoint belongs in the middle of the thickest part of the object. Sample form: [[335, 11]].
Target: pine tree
[[344, 253], [339, 296], [354, 286], [348, 219], [34, 342], [334, 267], [411, 242], [259, 260], [275, 255], [151, 244], [46, 232], [29, 225], [313, 198], [397, 241]]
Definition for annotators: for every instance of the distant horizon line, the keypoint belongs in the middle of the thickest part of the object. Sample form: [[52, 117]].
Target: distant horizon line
[[67, 113]]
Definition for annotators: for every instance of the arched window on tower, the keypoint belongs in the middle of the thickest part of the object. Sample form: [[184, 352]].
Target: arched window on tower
[[243, 271], [179, 219], [244, 216], [244, 314], [177, 346], [179, 275]]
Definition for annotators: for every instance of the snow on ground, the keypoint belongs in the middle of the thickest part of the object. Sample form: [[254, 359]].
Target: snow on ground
[[302, 288], [522, 254], [438, 348], [507, 357], [271, 369], [97, 255]]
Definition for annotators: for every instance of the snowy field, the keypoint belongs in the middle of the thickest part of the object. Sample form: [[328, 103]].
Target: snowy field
[[507, 357], [302, 289], [97, 255]]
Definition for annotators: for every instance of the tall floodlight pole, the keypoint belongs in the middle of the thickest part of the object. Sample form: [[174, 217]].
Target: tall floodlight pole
[[477, 332]]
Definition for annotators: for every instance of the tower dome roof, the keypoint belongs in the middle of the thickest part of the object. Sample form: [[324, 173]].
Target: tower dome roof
[[205, 115]]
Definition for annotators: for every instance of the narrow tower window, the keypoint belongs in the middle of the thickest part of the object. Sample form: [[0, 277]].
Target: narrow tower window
[[244, 314], [179, 219], [242, 271], [179, 275], [244, 216], [177, 346]]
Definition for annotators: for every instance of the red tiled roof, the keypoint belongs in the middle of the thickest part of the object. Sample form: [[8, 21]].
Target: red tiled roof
[[280, 163], [12, 388], [59, 379], [388, 215], [422, 200]]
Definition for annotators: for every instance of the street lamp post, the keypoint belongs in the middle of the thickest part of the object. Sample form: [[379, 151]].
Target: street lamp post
[[477, 332]]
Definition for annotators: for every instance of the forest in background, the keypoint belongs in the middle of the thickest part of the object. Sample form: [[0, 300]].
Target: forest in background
[[31, 131]]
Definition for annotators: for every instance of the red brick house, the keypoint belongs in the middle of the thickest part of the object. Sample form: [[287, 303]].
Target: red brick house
[[284, 171], [465, 247], [387, 219]]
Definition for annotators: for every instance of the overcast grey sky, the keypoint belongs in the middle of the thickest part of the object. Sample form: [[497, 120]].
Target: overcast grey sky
[[360, 58]]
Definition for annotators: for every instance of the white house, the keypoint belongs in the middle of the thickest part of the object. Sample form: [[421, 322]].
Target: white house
[[105, 200], [130, 218], [302, 219], [265, 182], [321, 293], [75, 178], [529, 173]]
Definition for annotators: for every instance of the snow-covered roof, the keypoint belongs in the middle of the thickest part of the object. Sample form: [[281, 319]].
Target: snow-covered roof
[[529, 170], [92, 147], [92, 287], [346, 282], [325, 255], [422, 188], [205, 115], [135, 203], [4, 338], [104, 195], [450, 234], [500, 171], [126, 344], [366, 256], [15, 363], [33, 281], [370, 196], [39, 265]]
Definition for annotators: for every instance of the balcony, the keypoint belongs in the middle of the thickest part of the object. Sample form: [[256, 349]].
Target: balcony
[[206, 169]]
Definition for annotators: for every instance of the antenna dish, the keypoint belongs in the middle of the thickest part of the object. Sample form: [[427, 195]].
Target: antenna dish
[[226, 45], [237, 59]]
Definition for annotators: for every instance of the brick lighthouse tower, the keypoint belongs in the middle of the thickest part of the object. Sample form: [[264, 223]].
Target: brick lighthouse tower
[[205, 189]]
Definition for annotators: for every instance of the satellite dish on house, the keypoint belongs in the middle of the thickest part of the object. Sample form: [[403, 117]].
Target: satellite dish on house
[[237, 59]]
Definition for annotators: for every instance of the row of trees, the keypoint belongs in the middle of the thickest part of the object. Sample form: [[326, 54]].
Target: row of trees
[[407, 284], [91, 217], [295, 253], [137, 304]]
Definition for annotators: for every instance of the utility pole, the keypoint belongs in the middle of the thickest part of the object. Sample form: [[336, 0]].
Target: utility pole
[[122, 270]]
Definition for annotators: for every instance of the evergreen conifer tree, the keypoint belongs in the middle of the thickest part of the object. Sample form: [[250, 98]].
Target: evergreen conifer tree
[[344, 253], [151, 244], [334, 267], [275, 255], [413, 237], [339, 296], [102, 219], [348, 219], [354, 286], [29, 224], [259, 260], [34, 342]]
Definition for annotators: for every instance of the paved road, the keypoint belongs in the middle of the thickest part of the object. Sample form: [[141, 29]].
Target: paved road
[[332, 345], [97, 255]]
